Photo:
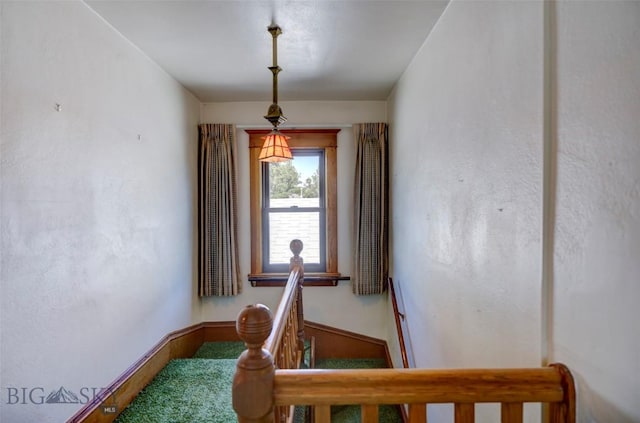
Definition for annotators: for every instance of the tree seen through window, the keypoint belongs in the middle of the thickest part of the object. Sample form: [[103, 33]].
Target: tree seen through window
[[285, 181]]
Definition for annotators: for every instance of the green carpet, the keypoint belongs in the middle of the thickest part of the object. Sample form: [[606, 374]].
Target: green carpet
[[351, 363], [186, 391], [198, 390], [216, 350]]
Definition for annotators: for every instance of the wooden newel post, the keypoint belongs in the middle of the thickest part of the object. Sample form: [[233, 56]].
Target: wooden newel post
[[296, 248], [253, 381]]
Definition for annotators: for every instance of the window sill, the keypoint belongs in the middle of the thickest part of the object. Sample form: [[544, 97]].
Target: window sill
[[310, 279]]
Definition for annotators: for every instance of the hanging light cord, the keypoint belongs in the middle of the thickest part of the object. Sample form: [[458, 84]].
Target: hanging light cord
[[274, 114]]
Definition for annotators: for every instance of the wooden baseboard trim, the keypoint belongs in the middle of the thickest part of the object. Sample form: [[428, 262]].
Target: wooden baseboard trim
[[182, 343], [219, 331], [332, 342]]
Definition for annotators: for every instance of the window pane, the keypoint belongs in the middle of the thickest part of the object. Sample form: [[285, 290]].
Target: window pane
[[296, 180], [283, 227]]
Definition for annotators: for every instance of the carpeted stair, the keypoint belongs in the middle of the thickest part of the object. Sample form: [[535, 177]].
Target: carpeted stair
[[198, 390], [190, 390]]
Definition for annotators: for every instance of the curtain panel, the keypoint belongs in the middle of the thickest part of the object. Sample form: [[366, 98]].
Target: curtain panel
[[219, 271], [371, 205]]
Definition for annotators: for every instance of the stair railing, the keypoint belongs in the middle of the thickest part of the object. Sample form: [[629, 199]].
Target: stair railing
[[400, 319], [511, 388], [268, 382], [272, 342], [287, 337]]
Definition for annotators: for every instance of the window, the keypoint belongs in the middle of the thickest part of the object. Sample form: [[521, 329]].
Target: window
[[294, 199], [294, 209]]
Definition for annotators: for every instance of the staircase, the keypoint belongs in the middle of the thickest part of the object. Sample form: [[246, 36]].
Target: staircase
[[198, 389], [191, 377], [189, 390]]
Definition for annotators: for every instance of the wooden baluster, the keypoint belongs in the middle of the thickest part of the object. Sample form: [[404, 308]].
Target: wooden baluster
[[288, 346], [369, 413], [418, 413], [322, 414], [464, 413], [281, 412], [253, 381], [511, 412], [296, 248], [292, 323]]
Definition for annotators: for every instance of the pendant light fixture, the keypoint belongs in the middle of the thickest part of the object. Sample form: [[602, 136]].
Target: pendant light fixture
[[275, 147]]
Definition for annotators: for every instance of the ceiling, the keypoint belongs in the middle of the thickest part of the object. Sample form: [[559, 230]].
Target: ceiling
[[329, 49]]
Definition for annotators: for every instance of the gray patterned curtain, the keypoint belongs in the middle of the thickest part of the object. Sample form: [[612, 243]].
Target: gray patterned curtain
[[371, 268], [219, 271]]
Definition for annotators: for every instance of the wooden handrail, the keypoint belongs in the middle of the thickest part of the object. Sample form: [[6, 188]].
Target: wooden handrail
[[400, 386], [418, 387], [397, 315], [287, 301]]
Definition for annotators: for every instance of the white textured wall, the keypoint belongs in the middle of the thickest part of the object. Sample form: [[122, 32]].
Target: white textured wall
[[334, 306], [466, 185], [467, 142], [97, 225], [597, 229]]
